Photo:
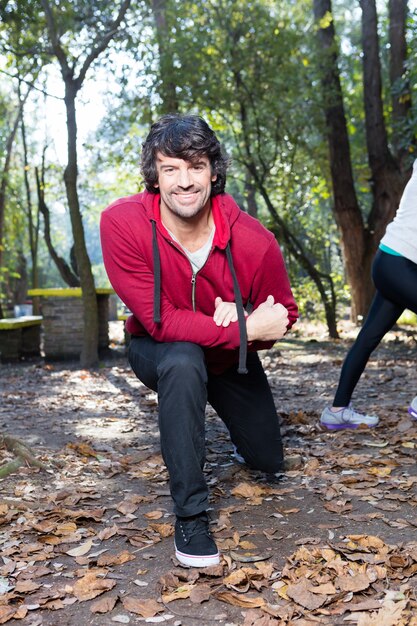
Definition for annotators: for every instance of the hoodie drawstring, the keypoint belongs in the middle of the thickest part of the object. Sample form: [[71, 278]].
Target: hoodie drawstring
[[157, 277], [243, 337]]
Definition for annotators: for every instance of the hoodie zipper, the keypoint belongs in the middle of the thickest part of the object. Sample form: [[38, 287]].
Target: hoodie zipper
[[193, 274], [193, 281]]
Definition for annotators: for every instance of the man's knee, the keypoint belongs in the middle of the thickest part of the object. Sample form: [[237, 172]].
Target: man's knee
[[268, 458], [184, 360]]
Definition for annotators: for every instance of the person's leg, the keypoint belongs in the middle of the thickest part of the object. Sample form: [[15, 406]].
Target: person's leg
[[177, 371], [396, 279], [245, 404], [381, 318], [399, 280], [394, 284]]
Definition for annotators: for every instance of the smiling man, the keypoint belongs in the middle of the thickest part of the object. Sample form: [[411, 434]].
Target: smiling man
[[207, 287]]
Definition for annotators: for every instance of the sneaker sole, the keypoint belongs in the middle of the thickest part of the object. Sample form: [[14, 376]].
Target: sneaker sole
[[197, 560], [342, 426], [413, 413]]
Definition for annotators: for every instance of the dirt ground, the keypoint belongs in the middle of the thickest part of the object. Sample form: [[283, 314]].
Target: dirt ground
[[89, 539]]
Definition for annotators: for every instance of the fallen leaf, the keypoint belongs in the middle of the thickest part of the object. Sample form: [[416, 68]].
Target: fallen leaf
[[105, 560], [249, 558], [82, 549], [301, 594], [165, 530], [145, 608], [181, 592], [235, 599], [355, 583], [6, 613], [90, 586], [104, 605], [153, 515], [200, 594]]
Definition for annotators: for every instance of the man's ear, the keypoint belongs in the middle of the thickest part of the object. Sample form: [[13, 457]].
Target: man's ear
[[214, 178], [156, 185]]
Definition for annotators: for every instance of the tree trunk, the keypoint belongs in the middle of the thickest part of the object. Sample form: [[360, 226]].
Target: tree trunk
[[63, 268], [33, 224], [400, 85], [167, 91], [89, 354], [5, 175], [359, 240], [250, 193]]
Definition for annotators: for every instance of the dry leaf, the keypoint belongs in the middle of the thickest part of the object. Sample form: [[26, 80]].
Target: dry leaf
[[327, 589], [181, 592], [235, 599], [165, 530], [90, 586], [248, 490], [106, 533], [153, 515], [248, 558], [382, 472], [200, 594], [388, 615], [82, 549], [21, 613], [235, 578], [6, 613], [145, 608], [301, 594], [104, 605], [105, 560], [355, 583], [26, 586]]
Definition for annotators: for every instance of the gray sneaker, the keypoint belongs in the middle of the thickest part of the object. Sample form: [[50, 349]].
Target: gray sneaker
[[346, 418], [413, 409]]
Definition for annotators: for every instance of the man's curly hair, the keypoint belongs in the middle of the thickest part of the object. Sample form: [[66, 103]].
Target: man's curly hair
[[186, 137]]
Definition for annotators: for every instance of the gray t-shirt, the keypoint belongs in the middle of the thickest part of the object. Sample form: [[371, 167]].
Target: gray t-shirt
[[199, 257]]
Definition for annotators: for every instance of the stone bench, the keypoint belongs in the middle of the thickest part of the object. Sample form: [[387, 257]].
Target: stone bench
[[63, 321], [20, 337]]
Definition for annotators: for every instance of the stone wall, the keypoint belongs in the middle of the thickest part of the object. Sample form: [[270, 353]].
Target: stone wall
[[63, 326]]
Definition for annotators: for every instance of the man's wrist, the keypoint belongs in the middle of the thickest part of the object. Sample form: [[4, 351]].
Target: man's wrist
[[249, 329]]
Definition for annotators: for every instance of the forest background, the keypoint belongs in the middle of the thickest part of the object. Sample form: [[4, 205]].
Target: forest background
[[315, 102]]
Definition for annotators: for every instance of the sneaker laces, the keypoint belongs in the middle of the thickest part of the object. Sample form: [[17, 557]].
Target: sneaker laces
[[194, 526]]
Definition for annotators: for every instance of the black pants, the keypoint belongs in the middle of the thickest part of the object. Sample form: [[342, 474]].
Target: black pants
[[395, 279], [177, 371]]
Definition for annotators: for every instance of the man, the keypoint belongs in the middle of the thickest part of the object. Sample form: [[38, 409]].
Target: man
[[207, 288]]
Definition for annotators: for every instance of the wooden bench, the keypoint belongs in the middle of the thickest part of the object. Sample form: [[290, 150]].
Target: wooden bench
[[20, 337]]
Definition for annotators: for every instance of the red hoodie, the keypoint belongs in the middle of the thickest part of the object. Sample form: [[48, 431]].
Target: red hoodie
[[127, 243]]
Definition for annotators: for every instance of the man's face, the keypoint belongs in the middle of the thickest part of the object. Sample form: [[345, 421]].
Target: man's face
[[185, 187]]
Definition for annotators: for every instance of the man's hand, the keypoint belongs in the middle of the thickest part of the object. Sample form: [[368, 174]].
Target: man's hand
[[267, 322], [225, 312]]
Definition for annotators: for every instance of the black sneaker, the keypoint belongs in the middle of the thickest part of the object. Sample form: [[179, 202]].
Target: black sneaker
[[194, 544]]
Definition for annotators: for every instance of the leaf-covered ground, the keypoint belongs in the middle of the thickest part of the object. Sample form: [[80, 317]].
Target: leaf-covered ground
[[89, 541]]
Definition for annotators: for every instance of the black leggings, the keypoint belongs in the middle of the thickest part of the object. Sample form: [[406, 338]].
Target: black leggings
[[395, 279]]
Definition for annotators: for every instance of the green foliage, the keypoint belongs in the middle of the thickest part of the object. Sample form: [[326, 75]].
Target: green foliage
[[248, 66]]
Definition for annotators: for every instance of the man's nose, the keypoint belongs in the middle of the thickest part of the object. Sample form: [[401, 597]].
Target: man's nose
[[184, 179]]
